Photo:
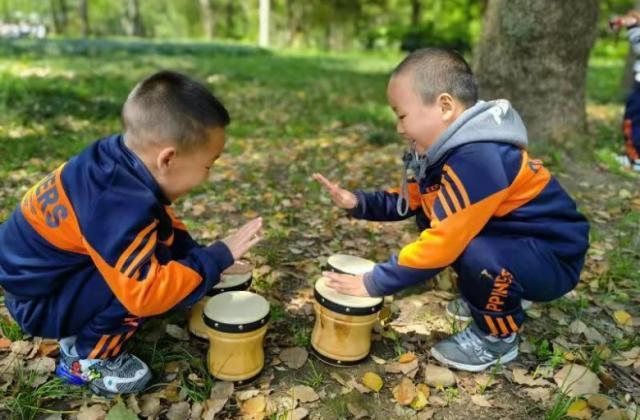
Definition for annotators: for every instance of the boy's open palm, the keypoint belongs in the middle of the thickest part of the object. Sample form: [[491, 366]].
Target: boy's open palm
[[244, 238], [342, 198]]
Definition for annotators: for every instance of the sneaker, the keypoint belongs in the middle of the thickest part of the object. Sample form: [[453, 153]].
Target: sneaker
[[626, 162], [459, 310], [474, 350], [123, 374]]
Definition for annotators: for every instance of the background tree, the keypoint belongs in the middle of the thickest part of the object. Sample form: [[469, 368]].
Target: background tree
[[535, 52]]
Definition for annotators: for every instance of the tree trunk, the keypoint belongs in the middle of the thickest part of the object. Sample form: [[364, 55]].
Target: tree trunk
[[207, 18], [84, 15], [416, 12], [264, 24], [535, 53], [59, 16], [133, 19]]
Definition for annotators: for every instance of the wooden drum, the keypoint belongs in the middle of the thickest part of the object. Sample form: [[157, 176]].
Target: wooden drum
[[236, 277], [342, 332], [236, 325]]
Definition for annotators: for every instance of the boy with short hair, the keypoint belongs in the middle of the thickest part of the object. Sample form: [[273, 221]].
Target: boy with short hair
[[486, 209], [94, 248]]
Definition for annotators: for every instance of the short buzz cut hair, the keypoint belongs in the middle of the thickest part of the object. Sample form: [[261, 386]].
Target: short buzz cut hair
[[437, 71], [170, 106]]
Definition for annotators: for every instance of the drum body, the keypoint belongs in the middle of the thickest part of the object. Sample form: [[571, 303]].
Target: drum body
[[231, 280], [342, 331], [236, 324]]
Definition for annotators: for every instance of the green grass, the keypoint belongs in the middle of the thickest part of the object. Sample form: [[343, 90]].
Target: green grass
[[10, 330]]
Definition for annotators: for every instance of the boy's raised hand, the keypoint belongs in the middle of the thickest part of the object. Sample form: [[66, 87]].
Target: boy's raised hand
[[342, 198], [244, 238]]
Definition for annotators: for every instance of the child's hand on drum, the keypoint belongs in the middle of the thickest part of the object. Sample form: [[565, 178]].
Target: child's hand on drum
[[244, 238], [342, 198], [346, 283]]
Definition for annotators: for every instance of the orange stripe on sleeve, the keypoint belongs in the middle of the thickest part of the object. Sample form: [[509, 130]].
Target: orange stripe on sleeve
[[458, 183], [415, 198], [163, 287], [512, 323], [445, 205], [491, 325], [503, 326], [151, 243], [175, 222], [452, 194], [96, 350], [136, 242]]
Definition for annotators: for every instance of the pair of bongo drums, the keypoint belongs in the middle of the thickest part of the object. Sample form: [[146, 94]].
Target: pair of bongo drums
[[235, 322], [342, 331]]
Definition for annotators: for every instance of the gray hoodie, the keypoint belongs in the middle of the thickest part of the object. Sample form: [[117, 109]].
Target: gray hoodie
[[494, 121]]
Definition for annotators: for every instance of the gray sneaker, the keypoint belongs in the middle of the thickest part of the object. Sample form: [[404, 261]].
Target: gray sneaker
[[124, 374], [459, 310], [474, 350]]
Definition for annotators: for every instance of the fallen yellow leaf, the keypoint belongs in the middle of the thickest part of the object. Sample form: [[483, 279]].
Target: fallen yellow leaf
[[407, 357], [424, 388], [622, 317], [420, 401], [372, 381], [579, 410], [254, 407]]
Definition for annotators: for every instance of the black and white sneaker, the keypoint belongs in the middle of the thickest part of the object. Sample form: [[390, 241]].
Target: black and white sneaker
[[459, 310], [124, 374], [474, 350], [627, 162]]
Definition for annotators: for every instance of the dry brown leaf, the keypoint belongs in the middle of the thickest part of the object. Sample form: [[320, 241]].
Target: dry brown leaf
[[438, 376], [48, 348], [303, 393], [614, 414], [404, 368], [579, 410], [177, 332], [404, 392], [21, 347], [41, 365], [378, 360], [218, 398], [94, 412], [298, 414], [246, 394], [372, 381], [178, 411], [627, 358], [576, 380], [149, 406], [480, 400], [294, 357], [598, 401], [197, 411], [132, 403], [4, 343], [520, 377], [357, 411], [538, 394], [338, 378]]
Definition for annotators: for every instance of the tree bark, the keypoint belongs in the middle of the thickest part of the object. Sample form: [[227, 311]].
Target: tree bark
[[535, 53], [133, 19], [264, 24], [59, 16], [84, 16], [416, 12], [207, 18]]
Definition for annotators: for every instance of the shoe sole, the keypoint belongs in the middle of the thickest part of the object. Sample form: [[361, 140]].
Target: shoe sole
[[506, 358]]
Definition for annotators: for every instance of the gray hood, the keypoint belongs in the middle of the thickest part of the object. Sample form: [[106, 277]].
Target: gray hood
[[494, 121]]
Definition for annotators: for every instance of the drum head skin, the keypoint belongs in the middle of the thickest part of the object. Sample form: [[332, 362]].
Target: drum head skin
[[237, 311], [239, 273], [345, 304], [349, 264]]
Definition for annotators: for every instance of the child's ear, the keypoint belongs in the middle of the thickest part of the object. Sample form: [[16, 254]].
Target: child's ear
[[447, 106], [165, 159]]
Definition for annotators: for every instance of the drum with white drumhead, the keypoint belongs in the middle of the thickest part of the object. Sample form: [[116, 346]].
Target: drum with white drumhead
[[236, 277], [236, 325], [349, 264], [342, 332]]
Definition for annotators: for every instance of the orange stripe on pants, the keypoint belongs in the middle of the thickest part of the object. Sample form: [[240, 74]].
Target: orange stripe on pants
[[512, 324], [491, 325], [96, 350], [503, 326]]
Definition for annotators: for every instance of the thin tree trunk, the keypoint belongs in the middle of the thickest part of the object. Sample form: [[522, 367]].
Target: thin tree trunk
[[133, 19], [535, 53], [264, 24], [84, 15], [416, 12], [207, 18]]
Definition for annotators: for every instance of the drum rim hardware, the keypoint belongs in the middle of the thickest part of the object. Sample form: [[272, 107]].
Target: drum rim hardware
[[343, 309]]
